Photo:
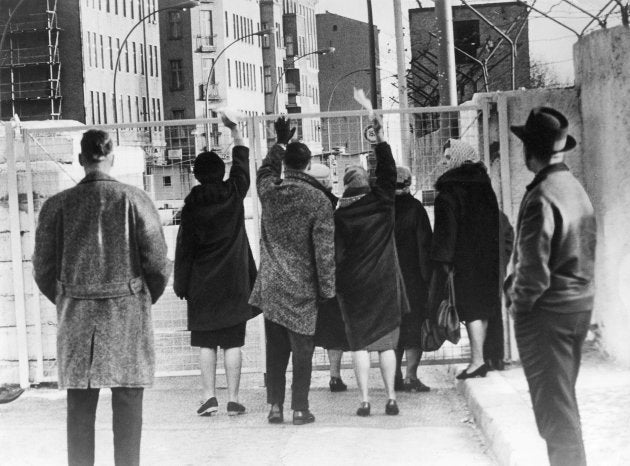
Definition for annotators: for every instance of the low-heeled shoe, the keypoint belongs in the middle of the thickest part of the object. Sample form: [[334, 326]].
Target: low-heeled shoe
[[364, 409], [208, 408], [481, 371], [303, 417], [337, 385], [275, 415], [391, 408], [234, 408]]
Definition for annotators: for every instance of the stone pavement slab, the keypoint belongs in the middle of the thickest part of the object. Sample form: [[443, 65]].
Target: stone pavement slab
[[433, 428]]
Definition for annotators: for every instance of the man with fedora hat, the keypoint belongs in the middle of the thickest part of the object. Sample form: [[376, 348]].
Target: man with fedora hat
[[550, 286]]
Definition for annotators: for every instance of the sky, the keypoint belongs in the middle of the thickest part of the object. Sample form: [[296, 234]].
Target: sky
[[550, 43]]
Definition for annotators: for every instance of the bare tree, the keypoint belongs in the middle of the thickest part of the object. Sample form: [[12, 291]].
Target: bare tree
[[541, 75]]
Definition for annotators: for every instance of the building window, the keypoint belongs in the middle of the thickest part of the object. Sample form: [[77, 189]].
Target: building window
[[131, 8], [135, 58], [179, 114], [268, 83], [111, 52], [166, 181], [466, 38], [258, 29], [145, 110], [142, 59], [157, 62], [229, 73], [265, 38], [129, 106], [153, 110], [89, 45], [177, 82], [118, 53], [137, 109], [278, 36], [334, 27], [150, 60], [206, 66], [107, 5], [227, 24], [175, 25], [124, 8], [104, 108], [127, 57], [159, 109], [234, 26], [206, 26], [92, 106], [121, 109]]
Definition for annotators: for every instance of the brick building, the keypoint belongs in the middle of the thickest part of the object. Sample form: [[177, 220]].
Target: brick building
[[58, 61], [476, 43]]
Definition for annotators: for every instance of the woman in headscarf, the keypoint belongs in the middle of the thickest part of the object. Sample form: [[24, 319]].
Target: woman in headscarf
[[466, 241], [370, 286]]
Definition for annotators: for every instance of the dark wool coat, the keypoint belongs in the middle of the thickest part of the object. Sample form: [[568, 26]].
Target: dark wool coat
[[413, 243], [554, 257], [100, 255], [466, 236], [370, 286], [214, 265], [297, 255]]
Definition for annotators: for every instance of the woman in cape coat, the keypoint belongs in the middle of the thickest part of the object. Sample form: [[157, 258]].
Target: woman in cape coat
[[370, 286], [215, 269]]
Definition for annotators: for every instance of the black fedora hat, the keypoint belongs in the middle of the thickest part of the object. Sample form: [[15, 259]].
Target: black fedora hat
[[546, 129]]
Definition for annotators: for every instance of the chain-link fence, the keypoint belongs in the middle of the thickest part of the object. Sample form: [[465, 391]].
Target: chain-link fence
[[158, 158]]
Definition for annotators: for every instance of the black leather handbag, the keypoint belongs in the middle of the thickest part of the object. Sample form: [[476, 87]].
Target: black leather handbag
[[447, 320]]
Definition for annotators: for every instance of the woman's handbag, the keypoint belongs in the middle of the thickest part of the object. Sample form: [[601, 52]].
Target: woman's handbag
[[447, 318], [431, 337]]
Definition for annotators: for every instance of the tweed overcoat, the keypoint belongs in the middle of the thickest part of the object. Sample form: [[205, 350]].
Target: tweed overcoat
[[370, 286], [297, 252], [214, 265], [100, 256], [466, 236]]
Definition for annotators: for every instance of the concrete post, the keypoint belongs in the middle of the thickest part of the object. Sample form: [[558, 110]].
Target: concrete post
[[446, 63], [402, 84]]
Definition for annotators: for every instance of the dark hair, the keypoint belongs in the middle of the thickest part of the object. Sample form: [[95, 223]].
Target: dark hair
[[209, 167], [96, 145], [297, 156]]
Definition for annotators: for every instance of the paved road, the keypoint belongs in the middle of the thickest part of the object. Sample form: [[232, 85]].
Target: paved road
[[432, 429]]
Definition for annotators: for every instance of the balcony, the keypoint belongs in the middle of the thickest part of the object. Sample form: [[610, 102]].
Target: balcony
[[213, 92], [205, 44]]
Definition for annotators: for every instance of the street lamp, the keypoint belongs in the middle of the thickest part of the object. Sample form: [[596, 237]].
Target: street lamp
[[262, 32], [178, 6], [323, 51]]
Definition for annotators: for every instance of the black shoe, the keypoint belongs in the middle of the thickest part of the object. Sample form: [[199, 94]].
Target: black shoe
[[414, 385], [303, 417], [481, 371], [399, 384], [364, 409], [275, 415], [337, 385], [209, 407], [234, 409], [391, 408]]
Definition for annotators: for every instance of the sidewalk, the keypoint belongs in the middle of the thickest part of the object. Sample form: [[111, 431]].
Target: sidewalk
[[501, 406], [432, 429]]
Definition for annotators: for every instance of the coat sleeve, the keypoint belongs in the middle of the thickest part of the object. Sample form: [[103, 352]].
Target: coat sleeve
[[531, 274], [184, 250], [151, 246], [424, 238], [323, 238], [46, 253], [445, 230], [385, 171], [239, 173], [270, 170]]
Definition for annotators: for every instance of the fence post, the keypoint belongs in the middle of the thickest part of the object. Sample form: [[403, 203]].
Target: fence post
[[37, 323], [16, 257]]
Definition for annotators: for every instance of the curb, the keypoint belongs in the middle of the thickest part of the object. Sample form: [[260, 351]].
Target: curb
[[506, 421]]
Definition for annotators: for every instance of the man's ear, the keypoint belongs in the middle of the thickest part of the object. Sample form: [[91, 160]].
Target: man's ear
[[81, 159]]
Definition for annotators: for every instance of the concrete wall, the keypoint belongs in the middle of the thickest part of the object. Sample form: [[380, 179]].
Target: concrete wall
[[602, 65]]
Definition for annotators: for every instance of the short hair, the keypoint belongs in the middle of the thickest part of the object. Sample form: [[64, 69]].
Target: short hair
[[96, 145], [209, 167], [297, 156]]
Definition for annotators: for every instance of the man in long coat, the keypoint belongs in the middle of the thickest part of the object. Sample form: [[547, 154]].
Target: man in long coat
[[550, 289], [100, 256], [297, 269]]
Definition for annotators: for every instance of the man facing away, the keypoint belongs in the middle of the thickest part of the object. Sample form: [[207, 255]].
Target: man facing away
[[550, 288], [297, 269], [100, 256]]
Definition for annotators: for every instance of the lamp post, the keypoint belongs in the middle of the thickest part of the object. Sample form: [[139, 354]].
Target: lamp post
[[323, 51], [178, 6], [263, 32]]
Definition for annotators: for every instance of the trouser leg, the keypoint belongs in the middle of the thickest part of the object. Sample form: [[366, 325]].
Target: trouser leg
[[80, 425], [127, 424], [550, 349], [277, 360], [302, 347]]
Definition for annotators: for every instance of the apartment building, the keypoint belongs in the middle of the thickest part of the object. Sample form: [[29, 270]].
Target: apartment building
[[59, 56]]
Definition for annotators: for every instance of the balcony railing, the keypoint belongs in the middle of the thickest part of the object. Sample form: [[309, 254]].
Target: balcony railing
[[213, 92], [206, 44]]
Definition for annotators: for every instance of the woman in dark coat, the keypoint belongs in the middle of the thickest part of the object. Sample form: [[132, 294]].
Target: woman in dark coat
[[330, 332], [466, 240], [370, 287], [413, 244], [215, 269]]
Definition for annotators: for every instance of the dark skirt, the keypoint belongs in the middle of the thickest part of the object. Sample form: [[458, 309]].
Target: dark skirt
[[389, 341], [330, 332], [226, 338]]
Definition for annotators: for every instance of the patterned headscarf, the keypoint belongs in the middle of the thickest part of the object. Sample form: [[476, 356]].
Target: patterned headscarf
[[458, 153]]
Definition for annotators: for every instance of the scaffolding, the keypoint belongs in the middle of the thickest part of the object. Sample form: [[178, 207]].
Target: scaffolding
[[30, 66]]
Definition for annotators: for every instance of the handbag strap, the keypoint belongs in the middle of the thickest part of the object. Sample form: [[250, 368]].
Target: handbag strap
[[451, 288]]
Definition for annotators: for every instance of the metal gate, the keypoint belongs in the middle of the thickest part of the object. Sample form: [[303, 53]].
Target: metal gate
[[158, 157]]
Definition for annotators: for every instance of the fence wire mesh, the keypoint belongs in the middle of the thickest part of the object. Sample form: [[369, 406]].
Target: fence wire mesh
[[159, 159]]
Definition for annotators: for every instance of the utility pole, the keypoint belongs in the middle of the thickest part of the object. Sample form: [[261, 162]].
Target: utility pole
[[446, 63], [402, 85], [372, 52]]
